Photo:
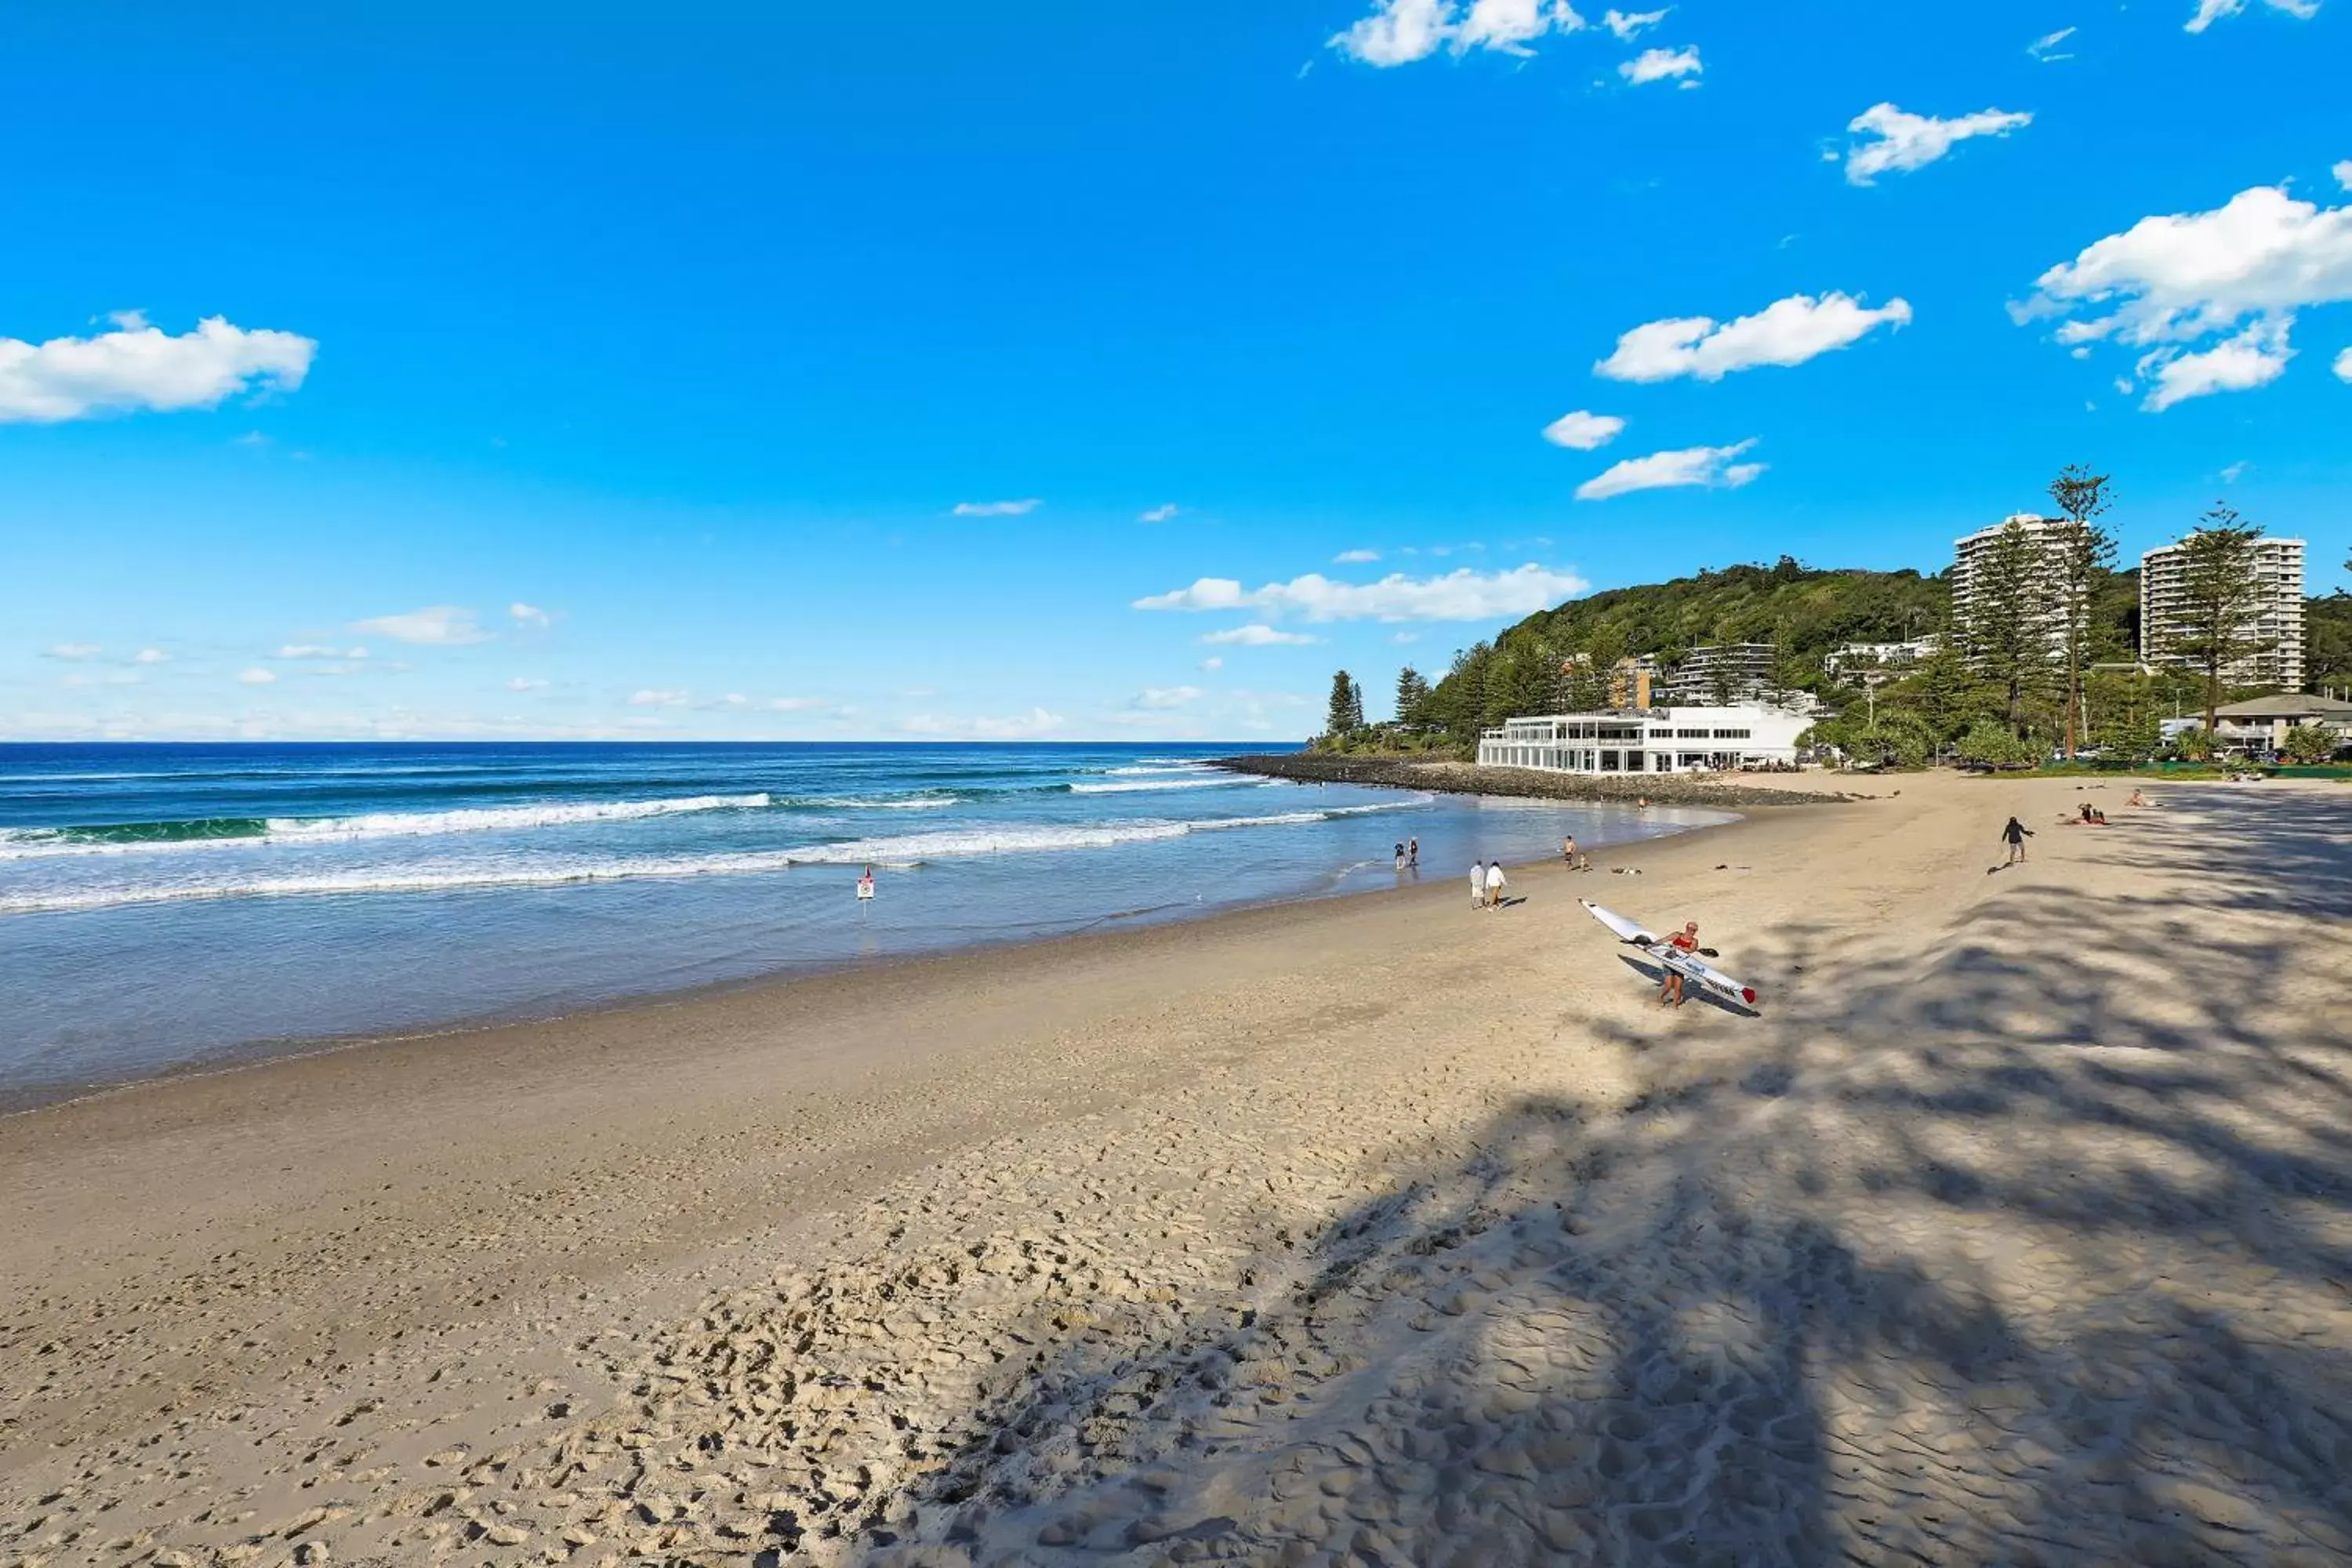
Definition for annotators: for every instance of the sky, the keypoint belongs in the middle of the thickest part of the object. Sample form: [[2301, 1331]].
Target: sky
[[1080, 371]]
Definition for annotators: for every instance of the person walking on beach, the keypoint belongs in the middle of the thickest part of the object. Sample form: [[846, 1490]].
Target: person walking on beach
[[2014, 835], [1670, 985], [1478, 886], [1494, 886]]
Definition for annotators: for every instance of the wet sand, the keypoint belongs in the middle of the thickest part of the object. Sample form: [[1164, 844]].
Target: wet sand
[[2017, 1228]]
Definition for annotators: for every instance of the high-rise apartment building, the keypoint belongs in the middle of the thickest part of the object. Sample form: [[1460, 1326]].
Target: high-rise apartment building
[[2048, 535], [2275, 624]]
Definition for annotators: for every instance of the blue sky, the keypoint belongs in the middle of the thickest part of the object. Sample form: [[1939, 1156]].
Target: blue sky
[[610, 371]]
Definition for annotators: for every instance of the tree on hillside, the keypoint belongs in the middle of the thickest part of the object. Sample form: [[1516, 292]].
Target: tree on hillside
[[1345, 714], [2084, 550], [1940, 689], [1412, 694], [2006, 633], [2219, 595]]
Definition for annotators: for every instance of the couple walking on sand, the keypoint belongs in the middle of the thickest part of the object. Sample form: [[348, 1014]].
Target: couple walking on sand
[[1487, 886]]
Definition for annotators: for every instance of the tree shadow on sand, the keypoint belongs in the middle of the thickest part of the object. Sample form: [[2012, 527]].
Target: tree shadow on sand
[[2039, 1253]]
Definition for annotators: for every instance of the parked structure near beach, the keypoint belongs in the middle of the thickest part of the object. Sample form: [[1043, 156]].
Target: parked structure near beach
[[1888, 656], [1720, 672], [2274, 626], [2264, 720], [1647, 741]]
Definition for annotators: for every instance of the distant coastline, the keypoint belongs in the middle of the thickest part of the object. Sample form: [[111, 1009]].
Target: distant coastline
[[1447, 777]]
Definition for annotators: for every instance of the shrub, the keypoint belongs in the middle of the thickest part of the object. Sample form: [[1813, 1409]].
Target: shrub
[[1995, 745], [2309, 744]]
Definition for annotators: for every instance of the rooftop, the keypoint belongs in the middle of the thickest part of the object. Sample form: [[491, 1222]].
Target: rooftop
[[2287, 705]]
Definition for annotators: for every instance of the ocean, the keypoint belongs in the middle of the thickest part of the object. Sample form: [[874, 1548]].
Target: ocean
[[164, 907]]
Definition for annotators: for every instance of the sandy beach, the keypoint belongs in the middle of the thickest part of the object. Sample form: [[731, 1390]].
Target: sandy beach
[[2015, 1226]]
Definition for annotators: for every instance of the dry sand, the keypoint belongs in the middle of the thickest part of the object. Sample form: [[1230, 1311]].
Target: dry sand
[[2016, 1229]]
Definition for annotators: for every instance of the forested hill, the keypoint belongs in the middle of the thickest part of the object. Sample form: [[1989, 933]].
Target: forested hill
[[1807, 613]]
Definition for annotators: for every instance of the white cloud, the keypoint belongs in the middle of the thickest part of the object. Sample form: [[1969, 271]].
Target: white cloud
[[1628, 25], [1213, 663], [1659, 65], [1163, 697], [257, 676], [137, 366], [1462, 595], [1908, 142], [1157, 513], [2045, 47], [1398, 32], [151, 656], [526, 683], [1510, 26], [528, 615], [437, 626], [792, 704], [1258, 636], [1583, 432], [1019, 727], [2256, 357], [2229, 280], [2343, 367], [660, 697], [1786, 333], [1355, 557], [75, 651], [2211, 11], [1705, 467], [2343, 172], [315, 650], [995, 508], [2234, 472]]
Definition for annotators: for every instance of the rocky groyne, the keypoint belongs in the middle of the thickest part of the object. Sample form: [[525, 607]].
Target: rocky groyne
[[1448, 777]]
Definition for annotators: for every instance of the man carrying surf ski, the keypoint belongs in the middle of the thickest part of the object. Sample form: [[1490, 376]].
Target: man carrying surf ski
[[1670, 985]]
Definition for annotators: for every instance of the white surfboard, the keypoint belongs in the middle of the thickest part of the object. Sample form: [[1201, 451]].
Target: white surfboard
[[1688, 965]]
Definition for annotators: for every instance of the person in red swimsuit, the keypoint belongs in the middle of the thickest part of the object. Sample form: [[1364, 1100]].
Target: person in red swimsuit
[[1669, 988]]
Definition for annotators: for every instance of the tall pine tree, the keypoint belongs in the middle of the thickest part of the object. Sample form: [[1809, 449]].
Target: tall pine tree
[[2219, 596], [2084, 549]]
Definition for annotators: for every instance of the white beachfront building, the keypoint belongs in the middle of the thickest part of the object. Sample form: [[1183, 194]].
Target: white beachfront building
[[1647, 741]]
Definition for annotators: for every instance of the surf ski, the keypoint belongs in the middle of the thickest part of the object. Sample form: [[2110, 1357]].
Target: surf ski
[[1690, 966]]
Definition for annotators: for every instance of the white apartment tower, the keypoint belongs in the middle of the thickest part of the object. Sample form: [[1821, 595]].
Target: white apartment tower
[[2275, 622], [2048, 534]]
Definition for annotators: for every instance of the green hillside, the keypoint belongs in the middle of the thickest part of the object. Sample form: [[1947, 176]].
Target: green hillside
[[1806, 612]]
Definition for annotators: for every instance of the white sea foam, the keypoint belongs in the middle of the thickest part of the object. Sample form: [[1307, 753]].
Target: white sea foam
[[899, 803], [48, 843], [483, 819], [901, 849], [1135, 785]]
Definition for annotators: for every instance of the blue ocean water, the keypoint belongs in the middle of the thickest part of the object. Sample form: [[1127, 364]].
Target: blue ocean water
[[162, 907]]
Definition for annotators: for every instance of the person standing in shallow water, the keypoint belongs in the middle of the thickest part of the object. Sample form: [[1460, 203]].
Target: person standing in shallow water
[[1412, 853]]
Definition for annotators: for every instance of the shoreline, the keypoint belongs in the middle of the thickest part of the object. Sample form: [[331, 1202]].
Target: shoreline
[[257, 1056], [1447, 776], [1267, 1230]]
